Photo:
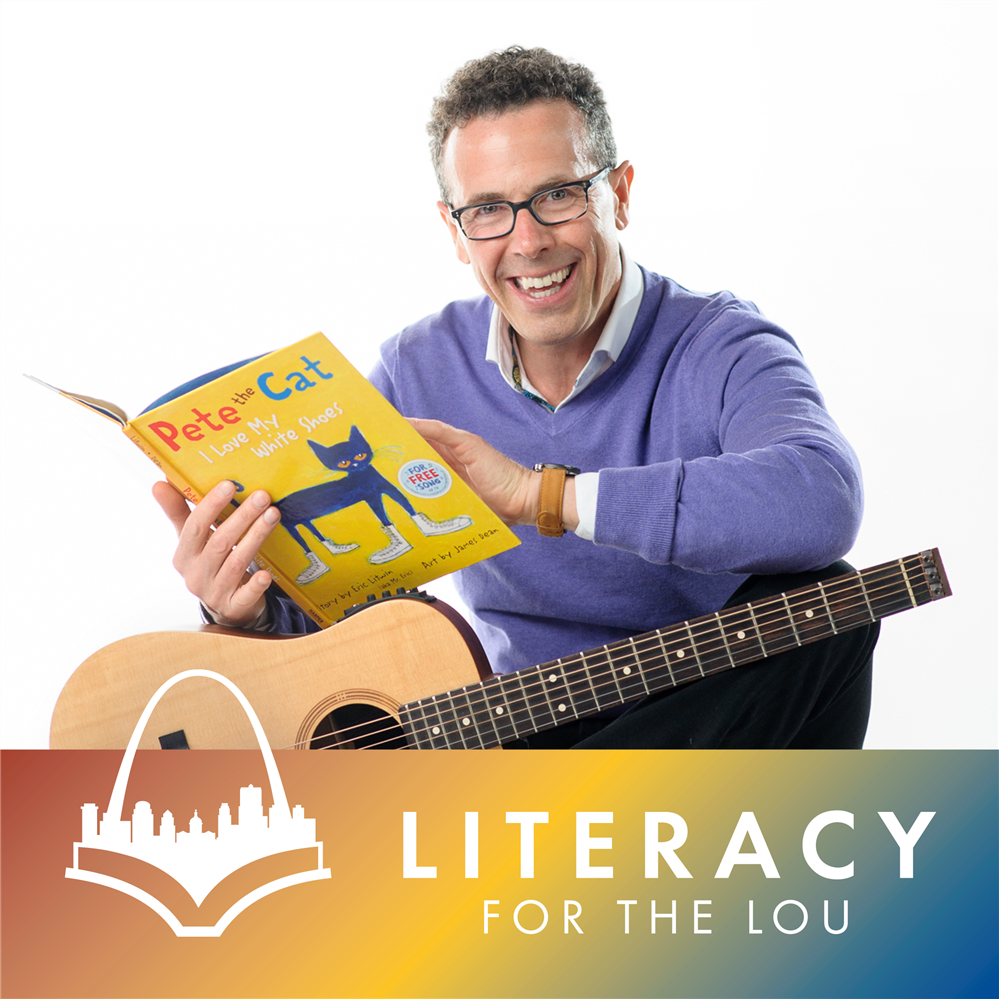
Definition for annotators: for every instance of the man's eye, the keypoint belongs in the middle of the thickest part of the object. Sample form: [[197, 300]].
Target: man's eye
[[556, 196], [483, 212]]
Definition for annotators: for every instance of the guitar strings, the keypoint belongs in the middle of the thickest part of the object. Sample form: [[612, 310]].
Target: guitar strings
[[768, 611], [834, 588]]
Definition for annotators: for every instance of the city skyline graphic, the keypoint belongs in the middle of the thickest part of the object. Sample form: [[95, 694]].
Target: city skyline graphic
[[197, 858]]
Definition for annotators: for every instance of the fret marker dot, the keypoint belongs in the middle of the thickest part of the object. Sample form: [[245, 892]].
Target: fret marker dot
[[627, 671], [809, 613], [466, 721], [679, 654], [553, 678], [561, 707], [436, 730], [740, 635], [499, 711]]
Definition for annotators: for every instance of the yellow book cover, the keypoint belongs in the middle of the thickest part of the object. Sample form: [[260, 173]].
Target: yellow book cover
[[367, 506]]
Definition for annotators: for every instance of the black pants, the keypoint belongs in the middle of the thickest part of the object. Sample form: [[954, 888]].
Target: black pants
[[817, 696]]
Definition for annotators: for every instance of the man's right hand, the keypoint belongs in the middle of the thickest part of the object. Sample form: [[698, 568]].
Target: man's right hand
[[214, 563]]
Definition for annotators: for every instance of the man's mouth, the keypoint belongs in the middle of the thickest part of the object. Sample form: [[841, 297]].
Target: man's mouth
[[542, 287]]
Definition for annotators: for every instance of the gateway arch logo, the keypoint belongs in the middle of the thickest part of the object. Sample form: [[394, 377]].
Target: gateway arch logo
[[199, 860]]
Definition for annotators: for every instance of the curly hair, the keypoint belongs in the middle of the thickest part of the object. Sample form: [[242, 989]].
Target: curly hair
[[513, 78]]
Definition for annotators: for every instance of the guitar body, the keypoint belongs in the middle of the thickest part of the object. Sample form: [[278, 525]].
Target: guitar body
[[389, 653]]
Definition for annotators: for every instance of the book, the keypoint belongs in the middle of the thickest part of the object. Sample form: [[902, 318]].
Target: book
[[367, 505]]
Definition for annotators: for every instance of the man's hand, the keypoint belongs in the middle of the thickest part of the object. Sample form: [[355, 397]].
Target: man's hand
[[214, 562], [510, 490]]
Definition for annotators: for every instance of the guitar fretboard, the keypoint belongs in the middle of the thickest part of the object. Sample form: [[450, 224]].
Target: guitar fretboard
[[501, 709]]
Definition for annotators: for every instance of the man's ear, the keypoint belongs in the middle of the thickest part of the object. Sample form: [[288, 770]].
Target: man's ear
[[621, 178], [459, 243]]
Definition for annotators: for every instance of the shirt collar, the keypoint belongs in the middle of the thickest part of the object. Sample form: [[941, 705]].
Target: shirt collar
[[607, 349]]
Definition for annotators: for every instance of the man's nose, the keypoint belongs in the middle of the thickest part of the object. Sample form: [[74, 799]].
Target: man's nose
[[529, 236]]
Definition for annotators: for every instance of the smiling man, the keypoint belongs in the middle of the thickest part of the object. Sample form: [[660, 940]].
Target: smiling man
[[691, 460]]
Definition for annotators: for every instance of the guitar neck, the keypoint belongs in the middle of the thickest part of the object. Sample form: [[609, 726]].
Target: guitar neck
[[504, 708]]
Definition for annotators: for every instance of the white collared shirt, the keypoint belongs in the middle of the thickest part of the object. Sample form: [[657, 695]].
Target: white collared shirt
[[606, 351]]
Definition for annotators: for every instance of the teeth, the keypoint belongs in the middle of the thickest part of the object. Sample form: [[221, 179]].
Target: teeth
[[556, 277]]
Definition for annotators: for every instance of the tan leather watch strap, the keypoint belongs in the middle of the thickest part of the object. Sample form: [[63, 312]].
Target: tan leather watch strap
[[550, 501]]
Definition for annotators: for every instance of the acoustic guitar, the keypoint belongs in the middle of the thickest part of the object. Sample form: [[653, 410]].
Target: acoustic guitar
[[374, 680]]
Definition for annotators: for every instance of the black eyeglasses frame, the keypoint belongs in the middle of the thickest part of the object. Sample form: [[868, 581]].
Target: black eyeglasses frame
[[586, 184]]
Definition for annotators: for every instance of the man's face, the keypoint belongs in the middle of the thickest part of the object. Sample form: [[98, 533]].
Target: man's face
[[511, 158]]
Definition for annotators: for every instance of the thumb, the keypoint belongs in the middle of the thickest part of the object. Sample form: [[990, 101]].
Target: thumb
[[173, 504]]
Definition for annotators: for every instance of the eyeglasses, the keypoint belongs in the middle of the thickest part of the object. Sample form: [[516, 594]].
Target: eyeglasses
[[552, 206]]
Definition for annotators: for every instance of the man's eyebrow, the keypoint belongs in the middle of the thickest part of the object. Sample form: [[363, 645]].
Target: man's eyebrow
[[479, 199]]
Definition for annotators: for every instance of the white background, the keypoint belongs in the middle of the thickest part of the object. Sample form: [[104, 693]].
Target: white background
[[187, 184]]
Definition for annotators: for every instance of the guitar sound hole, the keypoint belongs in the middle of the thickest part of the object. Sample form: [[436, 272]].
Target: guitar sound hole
[[358, 726]]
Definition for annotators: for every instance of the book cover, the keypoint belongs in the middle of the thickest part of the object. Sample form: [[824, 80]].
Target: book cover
[[367, 505]]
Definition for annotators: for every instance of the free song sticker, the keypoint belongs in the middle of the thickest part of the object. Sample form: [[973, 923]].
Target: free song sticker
[[424, 478]]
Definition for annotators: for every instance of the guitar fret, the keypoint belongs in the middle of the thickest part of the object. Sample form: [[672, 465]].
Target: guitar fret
[[887, 589], [603, 682], [756, 628], [559, 708], [790, 617], [652, 661], [518, 702], [867, 599], [693, 648], [742, 638], [540, 703], [721, 631], [905, 576], [832, 622], [608, 670], [451, 726], [413, 727], [482, 717], [630, 679], [582, 696], [499, 709], [435, 725], [662, 645]]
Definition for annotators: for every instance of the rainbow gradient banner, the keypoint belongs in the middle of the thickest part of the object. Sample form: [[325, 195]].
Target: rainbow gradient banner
[[666, 874]]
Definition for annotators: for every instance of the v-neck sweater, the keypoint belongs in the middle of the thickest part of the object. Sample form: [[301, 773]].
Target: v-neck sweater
[[716, 455]]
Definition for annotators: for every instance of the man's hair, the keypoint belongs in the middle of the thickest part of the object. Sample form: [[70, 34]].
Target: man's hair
[[513, 78]]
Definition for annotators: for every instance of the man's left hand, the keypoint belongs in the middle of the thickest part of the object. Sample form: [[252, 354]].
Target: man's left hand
[[510, 490]]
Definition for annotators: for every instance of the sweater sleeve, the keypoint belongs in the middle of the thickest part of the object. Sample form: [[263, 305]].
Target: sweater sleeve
[[778, 490]]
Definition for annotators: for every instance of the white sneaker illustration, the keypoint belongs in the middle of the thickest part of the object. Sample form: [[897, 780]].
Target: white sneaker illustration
[[397, 546], [431, 527], [334, 549], [316, 568]]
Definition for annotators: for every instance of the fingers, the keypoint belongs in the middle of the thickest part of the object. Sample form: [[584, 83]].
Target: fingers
[[214, 562], [505, 486]]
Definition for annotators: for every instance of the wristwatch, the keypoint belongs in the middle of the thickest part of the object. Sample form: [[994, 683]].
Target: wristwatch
[[550, 504]]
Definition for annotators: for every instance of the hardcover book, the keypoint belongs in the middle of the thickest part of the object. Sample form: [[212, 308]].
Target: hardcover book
[[367, 505]]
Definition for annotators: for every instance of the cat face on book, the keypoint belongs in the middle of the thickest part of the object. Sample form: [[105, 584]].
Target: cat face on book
[[347, 456]]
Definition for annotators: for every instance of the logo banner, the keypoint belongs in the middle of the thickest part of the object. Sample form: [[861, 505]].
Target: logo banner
[[538, 874]]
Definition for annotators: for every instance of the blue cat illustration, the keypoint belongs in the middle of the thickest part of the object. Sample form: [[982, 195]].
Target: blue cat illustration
[[361, 483]]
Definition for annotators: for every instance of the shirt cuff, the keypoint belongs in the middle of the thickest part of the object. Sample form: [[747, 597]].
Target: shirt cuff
[[262, 622], [586, 504]]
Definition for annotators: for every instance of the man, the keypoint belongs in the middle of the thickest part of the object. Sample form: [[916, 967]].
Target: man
[[705, 451]]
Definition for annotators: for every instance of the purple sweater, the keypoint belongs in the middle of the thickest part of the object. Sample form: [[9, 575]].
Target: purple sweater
[[716, 455]]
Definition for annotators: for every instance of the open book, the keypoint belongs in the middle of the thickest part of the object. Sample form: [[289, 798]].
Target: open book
[[367, 506]]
